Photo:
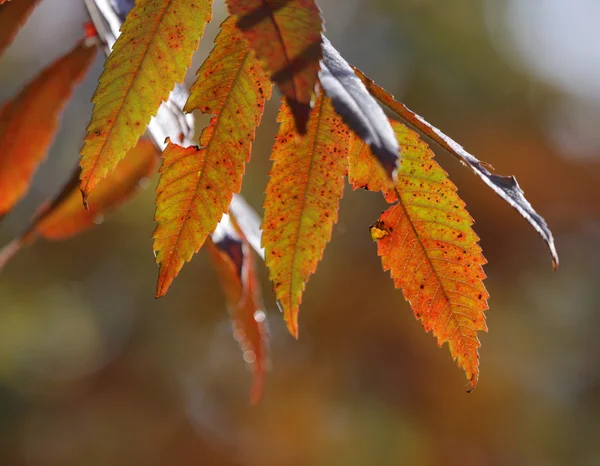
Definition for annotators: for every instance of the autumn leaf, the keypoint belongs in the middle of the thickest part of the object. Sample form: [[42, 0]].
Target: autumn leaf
[[152, 53], [232, 257], [286, 36], [426, 242], [505, 186], [197, 184], [302, 196], [12, 17], [359, 110], [65, 215], [29, 121]]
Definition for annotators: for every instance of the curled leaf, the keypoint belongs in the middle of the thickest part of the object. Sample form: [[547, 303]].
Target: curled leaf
[[358, 108], [152, 53], [302, 196], [29, 121], [232, 257], [286, 36], [505, 186]]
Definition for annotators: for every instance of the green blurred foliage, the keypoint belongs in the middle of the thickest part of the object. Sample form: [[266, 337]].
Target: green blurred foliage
[[94, 371]]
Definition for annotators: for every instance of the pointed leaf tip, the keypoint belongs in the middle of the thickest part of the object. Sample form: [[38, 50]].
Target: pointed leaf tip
[[149, 57], [426, 242], [301, 202], [197, 185]]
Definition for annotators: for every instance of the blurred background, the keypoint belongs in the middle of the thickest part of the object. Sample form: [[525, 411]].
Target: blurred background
[[95, 371]]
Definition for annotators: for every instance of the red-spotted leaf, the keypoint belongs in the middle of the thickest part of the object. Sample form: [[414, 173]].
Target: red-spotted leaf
[[301, 203], [505, 186], [28, 122], [286, 36], [12, 17], [152, 53], [426, 242], [65, 215], [232, 257], [197, 184]]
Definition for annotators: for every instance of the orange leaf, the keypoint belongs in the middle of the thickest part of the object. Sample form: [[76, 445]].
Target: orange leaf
[[152, 53], [426, 242], [29, 121], [302, 197], [286, 36], [12, 17], [65, 215], [232, 257], [504, 186], [197, 185]]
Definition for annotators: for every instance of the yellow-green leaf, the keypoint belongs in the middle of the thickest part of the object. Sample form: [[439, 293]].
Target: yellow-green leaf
[[302, 197], [426, 242], [197, 185], [152, 53]]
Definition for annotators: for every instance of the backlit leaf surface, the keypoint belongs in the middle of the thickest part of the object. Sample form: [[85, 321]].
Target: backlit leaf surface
[[301, 203], [286, 36], [29, 121], [197, 184], [152, 53], [12, 17], [232, 257], [426, 242], [505, 186]]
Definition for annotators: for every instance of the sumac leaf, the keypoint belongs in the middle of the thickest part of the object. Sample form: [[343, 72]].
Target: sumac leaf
[[302, 196], [65, 216], [232, 257], [505, 186], [12, 17], [152, 53], [286, 36], [426, 242], [197, 184], [29, 121], [358, 108]]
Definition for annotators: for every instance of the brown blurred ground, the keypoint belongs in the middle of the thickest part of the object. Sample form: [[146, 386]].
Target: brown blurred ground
[[94, 371]]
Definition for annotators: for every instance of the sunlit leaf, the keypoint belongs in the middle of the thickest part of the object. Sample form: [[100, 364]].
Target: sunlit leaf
[[65, 215], [232, 256], [505, 186], [12, 17], [286, 36], [358, 108], [197, 184], [29, 121], [301, 203], [152, 53], [426, 242]]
